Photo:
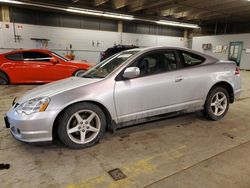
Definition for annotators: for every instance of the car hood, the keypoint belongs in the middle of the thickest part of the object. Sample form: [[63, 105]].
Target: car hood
[[80, 62], [53, 88]]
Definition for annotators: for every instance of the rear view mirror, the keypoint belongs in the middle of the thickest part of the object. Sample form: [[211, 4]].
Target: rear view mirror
[[131, 72], [53, 60]]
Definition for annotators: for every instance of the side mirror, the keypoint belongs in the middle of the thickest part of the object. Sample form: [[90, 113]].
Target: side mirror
[[53, 60], [131, 72]]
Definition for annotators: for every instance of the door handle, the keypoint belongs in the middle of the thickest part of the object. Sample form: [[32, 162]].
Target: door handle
[[179, 79]]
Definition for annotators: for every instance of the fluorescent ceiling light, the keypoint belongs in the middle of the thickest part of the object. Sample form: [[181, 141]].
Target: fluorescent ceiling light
[[103, 14], [100, 13], [10, 1], [178, 24]]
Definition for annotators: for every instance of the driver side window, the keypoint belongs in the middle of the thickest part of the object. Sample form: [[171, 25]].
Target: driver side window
[[157, 62], [36, 56]]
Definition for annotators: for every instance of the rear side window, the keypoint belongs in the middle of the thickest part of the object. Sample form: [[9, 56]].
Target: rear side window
[[190, 59], [36, 56], [15, 57]]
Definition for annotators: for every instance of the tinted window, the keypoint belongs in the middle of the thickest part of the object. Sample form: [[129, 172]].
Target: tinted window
[[15, 57], [157, 62], [190, 59], [36, 56]]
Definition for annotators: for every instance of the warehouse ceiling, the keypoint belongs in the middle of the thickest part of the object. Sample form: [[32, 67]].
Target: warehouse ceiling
[[184, 10]]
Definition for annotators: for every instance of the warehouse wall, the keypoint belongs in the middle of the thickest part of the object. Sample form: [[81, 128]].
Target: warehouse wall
[[153, 29], [63, 19], [84, 41], [59, 19], [224, 40]]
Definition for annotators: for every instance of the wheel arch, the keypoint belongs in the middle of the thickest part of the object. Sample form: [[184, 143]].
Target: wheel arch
[[103, 108], [226, 86], [7, 76], [79, 69]]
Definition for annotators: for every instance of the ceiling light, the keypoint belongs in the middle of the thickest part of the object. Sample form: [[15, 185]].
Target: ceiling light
[[100, 13], [10, 1], [177, 24], [103, 14]]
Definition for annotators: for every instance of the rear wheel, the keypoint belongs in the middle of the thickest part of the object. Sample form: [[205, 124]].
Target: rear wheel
[[217, 103], [81, 125], [3, 79]]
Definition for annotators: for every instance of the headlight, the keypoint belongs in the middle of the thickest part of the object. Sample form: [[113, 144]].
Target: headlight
[[38, 104]]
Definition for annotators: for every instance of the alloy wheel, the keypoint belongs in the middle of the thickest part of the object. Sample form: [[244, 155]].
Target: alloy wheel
[[83, 126], [3, 81], [219, 103]]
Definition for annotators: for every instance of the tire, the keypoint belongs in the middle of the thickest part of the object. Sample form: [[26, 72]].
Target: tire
[[217, 104], [3, 79], [81, 125], [79, 72]]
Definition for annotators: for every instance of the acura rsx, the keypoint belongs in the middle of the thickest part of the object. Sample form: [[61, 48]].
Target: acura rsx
[[130, 87]]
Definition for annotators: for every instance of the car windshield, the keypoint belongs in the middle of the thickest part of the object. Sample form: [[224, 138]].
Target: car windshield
[[59, 56], [104, 68]]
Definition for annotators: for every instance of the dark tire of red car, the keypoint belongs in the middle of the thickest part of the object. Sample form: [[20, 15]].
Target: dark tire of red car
[[3, 79]]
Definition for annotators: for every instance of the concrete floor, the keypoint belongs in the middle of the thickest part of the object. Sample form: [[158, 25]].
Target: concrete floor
[[185, 151]]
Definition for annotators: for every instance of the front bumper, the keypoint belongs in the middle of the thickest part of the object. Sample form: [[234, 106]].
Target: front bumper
[[36, 127]]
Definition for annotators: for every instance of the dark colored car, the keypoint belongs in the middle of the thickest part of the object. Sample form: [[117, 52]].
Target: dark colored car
[[115, 49]]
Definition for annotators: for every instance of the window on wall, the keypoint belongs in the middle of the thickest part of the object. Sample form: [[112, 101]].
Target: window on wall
[[36, 56], [157, 62], [190, 59], [15, 56]]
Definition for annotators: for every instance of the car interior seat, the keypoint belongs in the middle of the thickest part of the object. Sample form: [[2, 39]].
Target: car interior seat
[[143, 65], [162, 64]]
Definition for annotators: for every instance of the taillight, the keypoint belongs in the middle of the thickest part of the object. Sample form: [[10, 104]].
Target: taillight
[[237, 71]]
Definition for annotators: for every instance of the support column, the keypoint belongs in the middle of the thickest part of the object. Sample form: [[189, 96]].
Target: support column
[[120, 30], [186, 39], [185, 34], [120, 27], [5, 14]]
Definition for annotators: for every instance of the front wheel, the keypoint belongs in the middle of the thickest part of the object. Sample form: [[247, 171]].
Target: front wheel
[[81, 125], [217, 104]]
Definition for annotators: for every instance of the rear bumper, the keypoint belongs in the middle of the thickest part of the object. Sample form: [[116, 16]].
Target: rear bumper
[[237, 94]]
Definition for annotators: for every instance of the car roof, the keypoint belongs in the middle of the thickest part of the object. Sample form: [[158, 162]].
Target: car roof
[[145, 49], [27, 50]]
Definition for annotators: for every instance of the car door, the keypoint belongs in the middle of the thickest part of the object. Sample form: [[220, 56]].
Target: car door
[[40, 68], [15, 67], [155, 91]]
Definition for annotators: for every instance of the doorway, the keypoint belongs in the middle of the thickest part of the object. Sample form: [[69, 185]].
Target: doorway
[[235, 51]]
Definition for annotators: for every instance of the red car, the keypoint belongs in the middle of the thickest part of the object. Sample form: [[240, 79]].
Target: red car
[[37, 66]]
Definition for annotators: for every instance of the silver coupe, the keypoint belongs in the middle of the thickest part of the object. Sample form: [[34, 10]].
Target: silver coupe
[[129, 87]]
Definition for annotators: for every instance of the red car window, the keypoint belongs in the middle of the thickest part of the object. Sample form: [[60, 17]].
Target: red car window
[[15, 56], [36, 56]]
